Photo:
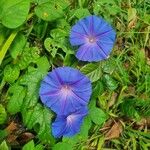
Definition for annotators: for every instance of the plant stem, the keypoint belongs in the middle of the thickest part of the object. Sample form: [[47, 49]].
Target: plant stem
[[7, 44], [80, 3]]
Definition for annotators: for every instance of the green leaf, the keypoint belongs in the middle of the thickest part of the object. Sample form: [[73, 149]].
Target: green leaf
[[42, 124], [98, 116], [109, 66], [59, 33], [31, 109], [17, 46], [14, 12], [146, 18], [11, 73], [3, 114], [32, 81], [114, 10], [104, 6], [4, 146], [62, 3], [70, 140], [62, 146], [3, 34], [143, 107], [39, 1], [49, 11], [29, 146], [3, 134], [106, 2], [98, 89], [40, 29], [43, 64], [29, 55], [63, 25], [122, 73], [70, 60], [81, 12], [110, 82], [39, 147], [47, 44], [83, 134], [93, 71], [135, 108], [60, 39], [17, 93], [128, 108], [52, 45], [131, 14]]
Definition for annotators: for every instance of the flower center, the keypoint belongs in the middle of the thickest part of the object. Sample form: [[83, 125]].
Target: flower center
[[92, 39], [66, 90], [70, 118]]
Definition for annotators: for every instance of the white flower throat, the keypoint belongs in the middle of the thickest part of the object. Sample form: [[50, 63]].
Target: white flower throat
[[66, 90], [91, 39]]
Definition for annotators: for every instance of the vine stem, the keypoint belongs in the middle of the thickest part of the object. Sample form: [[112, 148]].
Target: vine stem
[[7, 44], [80, 3], [2, 84]]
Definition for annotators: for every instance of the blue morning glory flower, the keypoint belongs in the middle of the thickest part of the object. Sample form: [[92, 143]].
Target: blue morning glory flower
[[69, 125], [95, 38], [65, 89]]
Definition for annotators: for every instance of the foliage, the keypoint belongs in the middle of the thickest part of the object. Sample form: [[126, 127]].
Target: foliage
[[4, 146], [30, 145], [92, 70], [34, 39], [3, 114], [10, 10], [136, 108]]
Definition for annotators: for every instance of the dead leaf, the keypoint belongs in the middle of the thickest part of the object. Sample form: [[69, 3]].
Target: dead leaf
[[12, 139], [132, 23], [130, 91], [108, 123], [148, 122], [132, 17], [25, 137], [14, 130], [142, 124], [131, 13], [113, 99], [115, 131], [12, 127], [107, 126]]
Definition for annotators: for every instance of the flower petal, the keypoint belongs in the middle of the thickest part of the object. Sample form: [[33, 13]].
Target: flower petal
[[76, 38], [69, 125], [95, 37], [63, 105], [59, 126], [90, 53], [78, 34], [100, 26], [65, 90], [106, 43]]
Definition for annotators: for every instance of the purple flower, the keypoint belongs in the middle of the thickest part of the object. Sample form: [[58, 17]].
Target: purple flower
[[69, 125], [95, 38], [65, 89]]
